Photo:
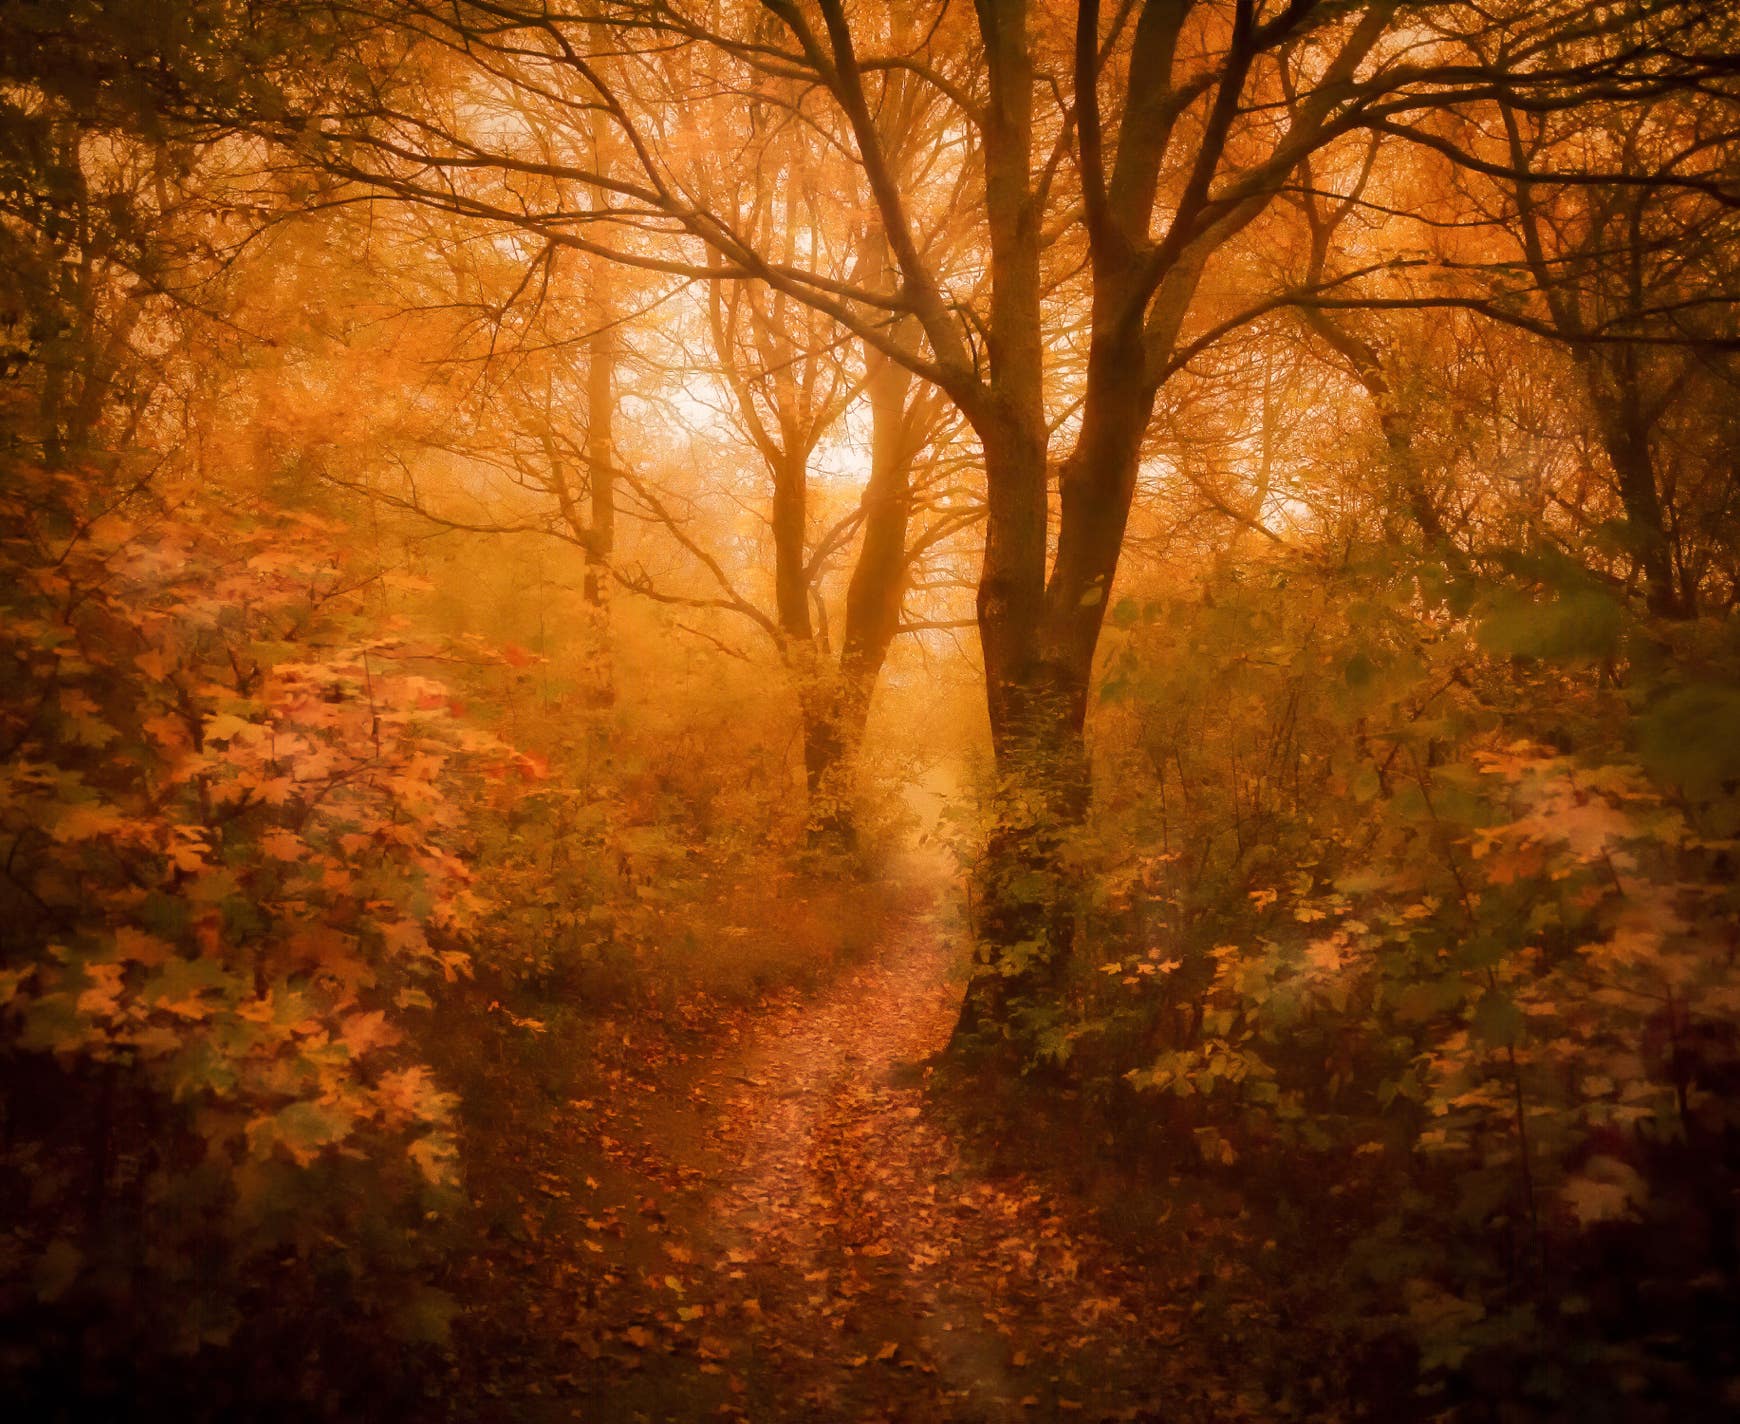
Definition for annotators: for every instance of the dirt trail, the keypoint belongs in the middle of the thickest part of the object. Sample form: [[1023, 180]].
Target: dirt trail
[[788, 1231]]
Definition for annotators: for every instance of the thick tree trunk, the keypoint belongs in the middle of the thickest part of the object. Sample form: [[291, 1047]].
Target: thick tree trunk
[[1398, 431], [1612, 377], [1039, 648], [1027, 888], [1038, 636], [1096, 488], [827, 766]]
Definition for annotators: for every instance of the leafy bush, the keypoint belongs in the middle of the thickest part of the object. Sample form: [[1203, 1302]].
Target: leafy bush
[[229, 816], [1436, 895]]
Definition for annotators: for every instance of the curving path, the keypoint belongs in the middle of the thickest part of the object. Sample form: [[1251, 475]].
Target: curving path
[[788, 1231]]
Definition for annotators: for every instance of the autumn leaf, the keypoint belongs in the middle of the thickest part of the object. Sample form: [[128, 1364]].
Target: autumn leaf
[[89, 822], [153, 664], [426, 1318], [141, 948], [365, 1032], [302, 1128], [282, 845], [1607, 1189], [437, 1157], [226, 726]]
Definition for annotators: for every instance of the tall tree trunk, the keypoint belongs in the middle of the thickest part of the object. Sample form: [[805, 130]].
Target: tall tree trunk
[[1611, 379], [818, 683], [600, 460], [877, 585], [1618, 401], [600, 453], [1036, 735], [827, 763], [1039, 652]]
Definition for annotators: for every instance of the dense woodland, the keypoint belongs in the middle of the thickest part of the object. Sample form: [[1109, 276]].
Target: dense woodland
[[832, 710]]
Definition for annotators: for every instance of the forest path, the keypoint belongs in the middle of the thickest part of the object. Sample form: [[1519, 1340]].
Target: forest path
[[789, 1230]]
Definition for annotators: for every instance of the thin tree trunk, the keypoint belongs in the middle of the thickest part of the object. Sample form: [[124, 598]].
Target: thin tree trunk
[[1613, 382], [602, 351], [1395, 423], [600, 544], [836, 697], [878, 584], [1625, 437], [601, 355]]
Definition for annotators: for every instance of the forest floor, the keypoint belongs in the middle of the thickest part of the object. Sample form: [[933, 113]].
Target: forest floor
[[784, 1220]]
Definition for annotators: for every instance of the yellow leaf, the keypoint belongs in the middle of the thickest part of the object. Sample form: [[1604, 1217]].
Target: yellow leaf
[[437, 1158], [226, 726]]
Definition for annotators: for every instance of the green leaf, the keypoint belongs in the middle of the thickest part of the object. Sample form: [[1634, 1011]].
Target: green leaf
[[1498, 1021], [306, 1127], [1692, 738], [1417, 1003], [181, 985], [1115, 689], [1365, 784], [1578, 623], [426, 1318]]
